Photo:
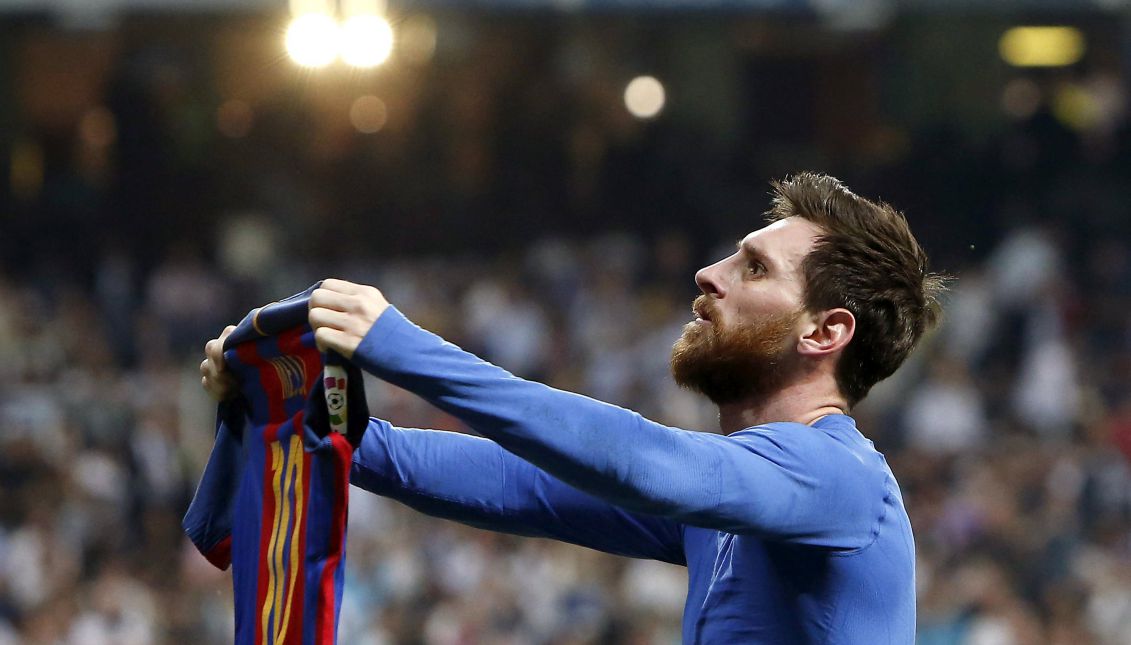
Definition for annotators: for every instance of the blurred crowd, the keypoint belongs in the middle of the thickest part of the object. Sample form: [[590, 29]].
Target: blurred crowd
[[537, 225], [1010, 434]]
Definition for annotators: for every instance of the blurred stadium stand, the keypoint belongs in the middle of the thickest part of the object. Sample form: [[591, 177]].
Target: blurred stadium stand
[[164, 167]]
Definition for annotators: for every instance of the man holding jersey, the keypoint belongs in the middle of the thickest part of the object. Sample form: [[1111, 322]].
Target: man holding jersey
[[790, 523]]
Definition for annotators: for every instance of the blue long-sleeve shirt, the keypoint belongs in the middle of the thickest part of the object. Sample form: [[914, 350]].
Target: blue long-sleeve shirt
[[790, 533]]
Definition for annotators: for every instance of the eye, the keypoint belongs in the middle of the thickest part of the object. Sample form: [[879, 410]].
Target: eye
[[755, 269]]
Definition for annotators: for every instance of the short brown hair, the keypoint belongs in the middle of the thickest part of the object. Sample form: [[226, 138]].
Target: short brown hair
[[867, 261]]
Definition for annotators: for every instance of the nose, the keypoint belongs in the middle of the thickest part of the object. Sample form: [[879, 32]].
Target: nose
[[709, 282]]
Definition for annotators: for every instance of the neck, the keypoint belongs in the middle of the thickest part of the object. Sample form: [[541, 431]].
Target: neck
[[798, 403]]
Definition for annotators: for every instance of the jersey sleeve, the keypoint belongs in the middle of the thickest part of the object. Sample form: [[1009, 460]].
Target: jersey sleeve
[[474, 481], [802, 486]]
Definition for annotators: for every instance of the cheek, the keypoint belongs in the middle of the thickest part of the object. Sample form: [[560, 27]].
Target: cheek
[[758, 305]]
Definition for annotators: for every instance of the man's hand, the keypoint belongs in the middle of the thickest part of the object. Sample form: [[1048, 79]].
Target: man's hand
[[214, 374], [342, 313]]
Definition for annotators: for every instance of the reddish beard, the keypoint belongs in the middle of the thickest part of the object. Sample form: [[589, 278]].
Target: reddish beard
[[733, 363]]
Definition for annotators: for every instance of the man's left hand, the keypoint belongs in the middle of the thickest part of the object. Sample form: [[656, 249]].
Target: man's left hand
[[342, 313]]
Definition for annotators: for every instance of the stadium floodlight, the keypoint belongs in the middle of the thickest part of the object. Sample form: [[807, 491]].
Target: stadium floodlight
[[362, 7], [366, 40], [644, 97], [312, 40], [1042, 46]]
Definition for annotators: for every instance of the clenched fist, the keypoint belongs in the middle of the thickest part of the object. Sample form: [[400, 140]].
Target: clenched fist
[[341, 314]]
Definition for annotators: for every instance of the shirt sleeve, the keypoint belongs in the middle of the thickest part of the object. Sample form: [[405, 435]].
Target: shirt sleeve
[[474, 481], [799, 486]]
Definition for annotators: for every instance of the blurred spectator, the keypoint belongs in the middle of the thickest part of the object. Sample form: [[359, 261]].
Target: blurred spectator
[[945, 414]]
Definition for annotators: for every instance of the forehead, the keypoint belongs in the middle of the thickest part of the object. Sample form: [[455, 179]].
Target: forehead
[[785, 241]]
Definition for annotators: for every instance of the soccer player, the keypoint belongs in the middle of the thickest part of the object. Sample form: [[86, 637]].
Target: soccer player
[[790, 523]]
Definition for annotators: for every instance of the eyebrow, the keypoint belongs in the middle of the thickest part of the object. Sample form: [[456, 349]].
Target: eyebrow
[[754, 253]]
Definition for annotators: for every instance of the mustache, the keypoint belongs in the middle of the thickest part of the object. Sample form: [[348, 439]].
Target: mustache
[[746, 360], [705, 308]]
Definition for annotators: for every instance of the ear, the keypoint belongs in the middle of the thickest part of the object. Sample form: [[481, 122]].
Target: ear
[[827, 332]]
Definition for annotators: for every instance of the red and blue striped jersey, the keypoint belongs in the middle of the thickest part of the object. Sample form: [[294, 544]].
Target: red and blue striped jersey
[[273, 499]]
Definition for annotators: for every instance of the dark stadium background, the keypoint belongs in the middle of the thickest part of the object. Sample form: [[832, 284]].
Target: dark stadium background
[[164, 167]]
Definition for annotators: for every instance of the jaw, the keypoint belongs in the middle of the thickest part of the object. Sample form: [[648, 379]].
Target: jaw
[[730, 365]]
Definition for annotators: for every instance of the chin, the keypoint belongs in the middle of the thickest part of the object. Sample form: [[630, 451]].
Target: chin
[[728, 365]]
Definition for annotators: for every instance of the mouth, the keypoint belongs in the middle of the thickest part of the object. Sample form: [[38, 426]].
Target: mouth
[[701, 311]]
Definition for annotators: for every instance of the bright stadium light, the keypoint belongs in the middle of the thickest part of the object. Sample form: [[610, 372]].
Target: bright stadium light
[[301, 7], [366, 41], [644, 97], [312, 40], [1042, 46], [362, 7]]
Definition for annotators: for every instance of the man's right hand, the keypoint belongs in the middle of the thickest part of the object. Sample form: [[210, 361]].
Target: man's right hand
[[215, 377]]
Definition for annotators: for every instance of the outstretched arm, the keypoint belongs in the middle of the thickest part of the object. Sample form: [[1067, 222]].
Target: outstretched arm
[[797, 485], [474, 481]]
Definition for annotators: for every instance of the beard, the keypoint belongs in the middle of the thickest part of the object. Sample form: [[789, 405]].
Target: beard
[[734, 363]]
